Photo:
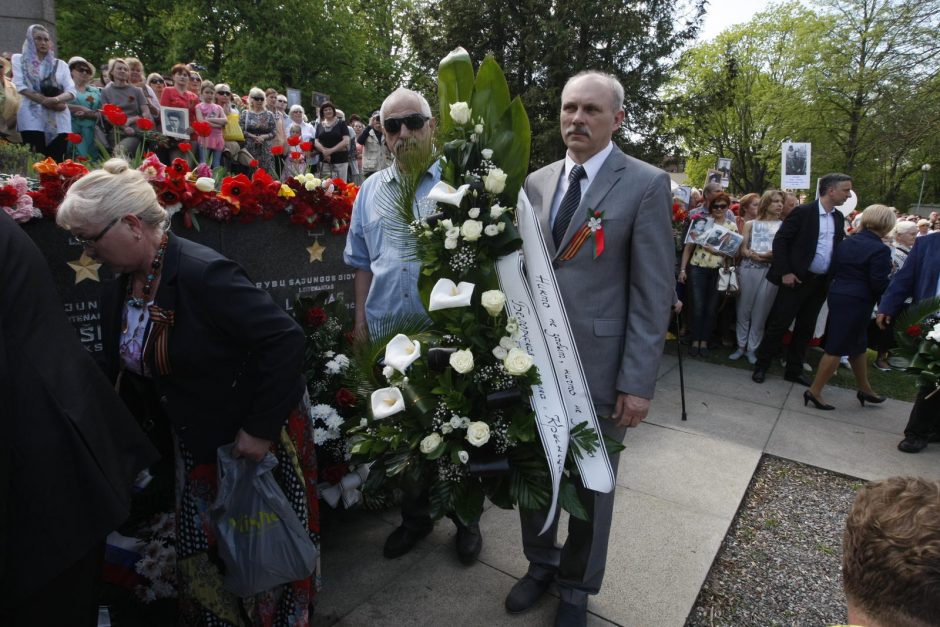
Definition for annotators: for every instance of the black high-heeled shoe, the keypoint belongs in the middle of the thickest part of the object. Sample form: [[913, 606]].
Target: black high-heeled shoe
[[874, 400], [809, 398]]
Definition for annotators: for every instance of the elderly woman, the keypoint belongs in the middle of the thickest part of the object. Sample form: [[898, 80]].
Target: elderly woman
[[46, 85], [137, 80], [332, 142], [859, 277], [84, 109], [131, 100], [260, 129], [703, 262], [905, 233], [156, 82], [203, 358], [757, 294]]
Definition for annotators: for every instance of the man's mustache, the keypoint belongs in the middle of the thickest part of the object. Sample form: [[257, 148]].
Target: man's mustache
[[578, 130]]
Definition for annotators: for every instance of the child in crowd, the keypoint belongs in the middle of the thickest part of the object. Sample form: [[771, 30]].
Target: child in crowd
[[208, 111], [294, 165], [891, 554]]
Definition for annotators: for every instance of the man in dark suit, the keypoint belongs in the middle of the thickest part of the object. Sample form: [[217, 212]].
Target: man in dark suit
[[802, 268], [618, 306]]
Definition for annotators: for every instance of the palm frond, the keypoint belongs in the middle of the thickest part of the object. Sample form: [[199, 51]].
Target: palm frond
[[916, 313]]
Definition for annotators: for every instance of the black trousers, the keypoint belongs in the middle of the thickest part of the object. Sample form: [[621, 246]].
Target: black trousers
[[925, 414], [37, 143], [802, 304]]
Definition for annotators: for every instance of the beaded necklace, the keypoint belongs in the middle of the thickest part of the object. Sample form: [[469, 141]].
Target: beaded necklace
[[141, 302]]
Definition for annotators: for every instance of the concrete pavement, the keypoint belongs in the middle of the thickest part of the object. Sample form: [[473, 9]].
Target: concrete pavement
[[679, 486]]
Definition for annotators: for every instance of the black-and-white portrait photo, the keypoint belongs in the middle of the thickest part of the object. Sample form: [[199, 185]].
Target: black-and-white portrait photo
[[795, 165], [697, 228], [174, 122], [796, 160]]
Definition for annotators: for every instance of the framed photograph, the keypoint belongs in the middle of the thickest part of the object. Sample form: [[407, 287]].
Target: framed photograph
[[762, 235], [698, 227], [293, 97], [795, 165], [713, 176], [174, 122], [683, 194], [724, 166], [722, 240]]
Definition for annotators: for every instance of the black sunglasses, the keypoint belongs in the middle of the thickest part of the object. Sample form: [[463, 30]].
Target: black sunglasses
[[91, 240], [719, 206], [223, 93], [157, 81], [83, 69], [258, 98], [413, 122]]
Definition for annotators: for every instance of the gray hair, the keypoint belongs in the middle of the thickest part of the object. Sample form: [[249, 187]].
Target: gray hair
[[297, 107], [400, 94], [904, 226], [256, 91], [613, 83], [110, 193]]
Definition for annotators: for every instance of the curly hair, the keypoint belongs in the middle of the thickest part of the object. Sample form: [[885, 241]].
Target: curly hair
[[891, 552]]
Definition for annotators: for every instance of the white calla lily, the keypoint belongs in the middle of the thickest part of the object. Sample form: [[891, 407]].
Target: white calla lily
[[442, 192], [401, 352], [446, 295], [387, 402]]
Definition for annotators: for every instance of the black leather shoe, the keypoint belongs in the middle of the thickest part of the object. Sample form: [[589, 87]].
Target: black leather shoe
[[571, 615], [469, 542], [403, 540], [934, 437], [798, 379], [760, 374], [912, 444], [525, 594]]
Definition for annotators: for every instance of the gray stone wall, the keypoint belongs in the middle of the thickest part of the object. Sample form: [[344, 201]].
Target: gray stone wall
[[17, 15]]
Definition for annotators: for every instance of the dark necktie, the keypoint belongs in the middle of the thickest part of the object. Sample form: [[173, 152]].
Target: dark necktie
[[569, 204]]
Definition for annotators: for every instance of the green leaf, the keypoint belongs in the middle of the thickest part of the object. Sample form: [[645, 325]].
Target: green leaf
[[454, 84], [468, 501], [440, 499], [613, 446], [512, 144], [569, 501], [490, 94]]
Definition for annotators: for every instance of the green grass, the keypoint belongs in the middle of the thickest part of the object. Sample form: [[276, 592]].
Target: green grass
[[893, 384]]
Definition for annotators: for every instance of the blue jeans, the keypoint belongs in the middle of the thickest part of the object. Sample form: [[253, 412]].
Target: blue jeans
[[705, 298]]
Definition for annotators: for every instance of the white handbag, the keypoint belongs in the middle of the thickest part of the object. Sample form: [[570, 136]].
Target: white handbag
[[728, 280]]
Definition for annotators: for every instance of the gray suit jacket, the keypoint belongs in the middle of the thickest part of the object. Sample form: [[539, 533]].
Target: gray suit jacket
[[618, 304]]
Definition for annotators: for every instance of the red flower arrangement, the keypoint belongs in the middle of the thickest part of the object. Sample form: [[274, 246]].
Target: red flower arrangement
[[114, 114], [54, 181], [293, 140], [234, 190], [203, 129], [144, 124], [316, 317], [331, 204]]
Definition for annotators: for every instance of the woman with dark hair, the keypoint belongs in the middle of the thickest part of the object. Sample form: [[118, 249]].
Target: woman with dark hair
[[46, 84], [703, 262], [332, 142]]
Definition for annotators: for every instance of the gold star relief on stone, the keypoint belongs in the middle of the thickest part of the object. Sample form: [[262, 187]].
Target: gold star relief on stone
[[85, 268], [316, 251]]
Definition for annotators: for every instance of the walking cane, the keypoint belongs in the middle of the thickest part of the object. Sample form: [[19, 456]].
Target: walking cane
[[681, 376]]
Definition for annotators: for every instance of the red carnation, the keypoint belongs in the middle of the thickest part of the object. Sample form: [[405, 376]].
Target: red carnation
[[185, 146], [203, 129], [316, 316], [293, 140], [253, 163], [144, 124], [69, 169], [306, 146], [345, 398], [914, 330], [8, 196], [295, 155], [74, 138], [277, 150]]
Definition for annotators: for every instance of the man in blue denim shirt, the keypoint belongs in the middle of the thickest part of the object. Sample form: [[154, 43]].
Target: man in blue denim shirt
[[387, 285]]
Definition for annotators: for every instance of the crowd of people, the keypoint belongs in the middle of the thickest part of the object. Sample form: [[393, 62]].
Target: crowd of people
[[59, 111], [197, 357], [798, 281]]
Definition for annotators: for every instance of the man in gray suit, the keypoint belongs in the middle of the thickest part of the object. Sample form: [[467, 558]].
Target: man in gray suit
[[618, 305]]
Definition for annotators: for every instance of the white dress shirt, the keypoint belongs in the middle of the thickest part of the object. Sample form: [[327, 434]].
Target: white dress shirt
[[827, 230], [591, 167]]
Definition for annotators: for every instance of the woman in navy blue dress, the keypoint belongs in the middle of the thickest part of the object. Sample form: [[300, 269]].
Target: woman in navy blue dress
[[862, 264]]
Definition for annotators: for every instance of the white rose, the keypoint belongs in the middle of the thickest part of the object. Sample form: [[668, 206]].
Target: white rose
[[446, 428], [463, 456], [471, 230], [363, 422], [512, 327], [478, 129], [450, 243], [508, 343], [500, 353], [493, 302], [456, 421], [453, 232], [310, 186], [496, 211], [491, 230], [430, 443], [464, 422], [501, 227], [478, 433], [447, 224], [495, 181], [487, 153], [460, 113], [517, 362], [474, 212], [461, 361]]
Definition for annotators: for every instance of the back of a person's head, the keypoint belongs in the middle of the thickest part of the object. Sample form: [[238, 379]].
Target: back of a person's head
[[891, 553]]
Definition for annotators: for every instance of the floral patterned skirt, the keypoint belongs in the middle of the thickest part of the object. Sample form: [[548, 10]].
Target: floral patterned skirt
[[194, 571]]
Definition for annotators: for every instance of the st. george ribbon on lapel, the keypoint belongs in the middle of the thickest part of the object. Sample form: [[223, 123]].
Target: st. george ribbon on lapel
[[562, 400]]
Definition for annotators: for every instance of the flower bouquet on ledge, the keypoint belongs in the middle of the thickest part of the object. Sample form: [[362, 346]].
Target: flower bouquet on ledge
[[449, 397], [334, 407], [918, 343]]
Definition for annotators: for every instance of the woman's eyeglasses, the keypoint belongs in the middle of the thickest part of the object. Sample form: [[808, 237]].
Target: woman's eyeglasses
[[413, 122], [157, 81], [258, 98], [90, 241], [223, 93], [82, 69]]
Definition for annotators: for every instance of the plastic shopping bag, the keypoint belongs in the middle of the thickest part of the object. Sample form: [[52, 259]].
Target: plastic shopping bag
[[261, 541]]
